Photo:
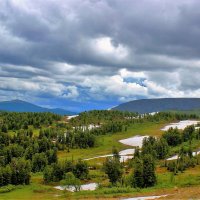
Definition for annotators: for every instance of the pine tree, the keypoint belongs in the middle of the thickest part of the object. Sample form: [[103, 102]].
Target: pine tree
[[115, 153], [138, 173], [149, 175], [137, 153], [162, 148], [113, 169]]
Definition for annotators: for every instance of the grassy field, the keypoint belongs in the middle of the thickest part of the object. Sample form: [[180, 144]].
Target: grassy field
[[106, 143], [182, 186]]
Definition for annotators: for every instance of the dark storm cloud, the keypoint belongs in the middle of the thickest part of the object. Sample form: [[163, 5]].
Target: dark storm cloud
[[60, 30]]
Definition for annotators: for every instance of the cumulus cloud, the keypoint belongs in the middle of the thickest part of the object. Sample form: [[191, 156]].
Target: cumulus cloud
[[96, 50]]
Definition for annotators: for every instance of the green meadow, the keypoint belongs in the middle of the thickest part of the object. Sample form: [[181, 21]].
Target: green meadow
[[167, 183]]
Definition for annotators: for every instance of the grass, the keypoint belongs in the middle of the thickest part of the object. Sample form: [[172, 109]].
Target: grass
[[182, 186], [36, 191], [105, 143]]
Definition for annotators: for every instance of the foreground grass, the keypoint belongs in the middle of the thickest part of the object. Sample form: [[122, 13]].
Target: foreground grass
[[188, 181]]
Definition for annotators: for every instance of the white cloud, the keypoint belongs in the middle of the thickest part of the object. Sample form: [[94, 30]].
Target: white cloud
[[39, 86], [104, 47], [130, 74]]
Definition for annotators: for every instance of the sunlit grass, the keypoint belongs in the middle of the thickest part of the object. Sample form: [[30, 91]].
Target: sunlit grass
[[105, 143]]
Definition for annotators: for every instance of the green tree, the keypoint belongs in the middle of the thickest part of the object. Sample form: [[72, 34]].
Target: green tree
[[149, 175], [80, 170], [48, 174], [7, 175], [39, 162], [1, 177], [162, 148], [173, 137], [4, 128], [113, 169], [138, 173], [137, 153], [58, 172], [188, 133], [21, 170], [115, 153]]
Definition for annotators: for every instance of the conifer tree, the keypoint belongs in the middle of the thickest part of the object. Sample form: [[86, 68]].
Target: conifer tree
[[149, 175], [138, 173]]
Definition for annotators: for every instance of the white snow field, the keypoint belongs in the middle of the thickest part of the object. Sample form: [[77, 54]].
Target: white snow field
[[135, 141], [89, 186], [181, 125], [126, 152], [124, 155], [71, 116]]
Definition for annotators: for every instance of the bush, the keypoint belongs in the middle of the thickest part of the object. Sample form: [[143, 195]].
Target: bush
[[7, 188]]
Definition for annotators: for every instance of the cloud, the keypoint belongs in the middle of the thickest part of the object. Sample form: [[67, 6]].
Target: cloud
[[72, 92], [38, 86], [99, 50]]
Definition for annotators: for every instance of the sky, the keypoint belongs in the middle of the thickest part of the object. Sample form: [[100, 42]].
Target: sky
[[95, 54]]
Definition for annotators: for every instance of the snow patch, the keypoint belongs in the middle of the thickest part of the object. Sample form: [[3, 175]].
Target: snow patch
[[72, 116], [175, 157], [134, 141], [146, 198], [180, 125], [89, 186], [124, 155]]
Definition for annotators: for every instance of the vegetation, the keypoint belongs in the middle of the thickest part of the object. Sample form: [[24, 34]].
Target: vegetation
[[113, 168], [35, 154], [17, 121]]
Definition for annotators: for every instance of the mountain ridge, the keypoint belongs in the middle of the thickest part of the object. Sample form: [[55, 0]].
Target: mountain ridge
[[17, 105], [160, 104]]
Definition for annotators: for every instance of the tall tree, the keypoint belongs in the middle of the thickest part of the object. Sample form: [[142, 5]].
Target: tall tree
[[149, 175], [113, 169], [138, 173]]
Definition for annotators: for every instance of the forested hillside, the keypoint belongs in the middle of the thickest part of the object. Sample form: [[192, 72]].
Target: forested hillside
[[158, 105]]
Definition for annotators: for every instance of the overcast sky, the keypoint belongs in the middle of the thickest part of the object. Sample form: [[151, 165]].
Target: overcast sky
[[86, 54]]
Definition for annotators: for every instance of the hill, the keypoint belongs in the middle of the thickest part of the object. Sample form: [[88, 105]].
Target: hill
[[155, 105], [23, 106]]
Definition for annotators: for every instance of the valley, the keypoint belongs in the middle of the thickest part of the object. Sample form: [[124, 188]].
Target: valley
[[124, 140]]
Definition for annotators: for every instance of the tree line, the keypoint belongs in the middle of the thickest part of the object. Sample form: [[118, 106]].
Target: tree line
[[17, 121]]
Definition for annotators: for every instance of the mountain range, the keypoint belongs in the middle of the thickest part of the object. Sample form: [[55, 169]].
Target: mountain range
[[23, 106], [156, 105], [141, 106]]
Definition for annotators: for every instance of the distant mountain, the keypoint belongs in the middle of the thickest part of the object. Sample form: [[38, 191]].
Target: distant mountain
[[23, 106], [156, 105]]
